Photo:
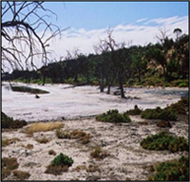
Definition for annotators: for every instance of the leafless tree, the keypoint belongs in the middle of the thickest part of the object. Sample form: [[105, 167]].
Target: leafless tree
[[118, 64], [26, 32]]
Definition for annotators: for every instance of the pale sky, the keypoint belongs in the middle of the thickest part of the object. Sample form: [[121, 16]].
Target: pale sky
[[134, 22]]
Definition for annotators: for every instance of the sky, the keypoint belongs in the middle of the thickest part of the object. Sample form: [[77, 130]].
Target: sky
[[136, 23]]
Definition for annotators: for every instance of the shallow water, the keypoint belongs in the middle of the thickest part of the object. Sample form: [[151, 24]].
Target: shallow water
[[65, 101]]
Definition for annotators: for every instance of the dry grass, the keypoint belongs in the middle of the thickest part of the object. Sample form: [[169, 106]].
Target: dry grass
[[43, 140], [56, 170], [43, 127], [6, 142], [83, 137], [8, 164], [98, 154], [51, 152], [29, 146], [21, 175]]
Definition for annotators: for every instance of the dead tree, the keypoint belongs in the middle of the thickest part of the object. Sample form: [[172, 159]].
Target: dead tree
[[21, 41]]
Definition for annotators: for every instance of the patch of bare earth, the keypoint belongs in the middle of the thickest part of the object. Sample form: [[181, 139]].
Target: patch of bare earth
[[127, 160]]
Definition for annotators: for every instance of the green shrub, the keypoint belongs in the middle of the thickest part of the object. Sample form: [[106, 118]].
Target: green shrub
[[181, 106], [62, 160], [177, 170], [158, 113], [8, 122], [59, 164], [135, 111], [113, 116], [164, 141], [28, 89], [182, 85]]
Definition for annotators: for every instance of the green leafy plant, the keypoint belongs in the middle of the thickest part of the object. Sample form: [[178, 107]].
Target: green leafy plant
[[158, 113], [181, 106], [9, 123], [59, 164], [176, 170], [113, 116], [135, 111], [62, 160], [164, 141]]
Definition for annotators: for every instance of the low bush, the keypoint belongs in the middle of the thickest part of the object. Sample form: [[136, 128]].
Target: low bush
[[164, 141], [135, 111], [166, 114], [9, 123], [21, 175], [59, 164], [62, 160], [8, 165], [181, 106], [176, 170], [99, 154], [113, 116]]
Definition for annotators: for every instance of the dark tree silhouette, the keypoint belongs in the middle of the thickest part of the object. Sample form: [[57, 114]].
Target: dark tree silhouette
[[25, 32]]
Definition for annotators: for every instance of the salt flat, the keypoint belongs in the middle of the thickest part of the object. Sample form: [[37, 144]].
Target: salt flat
[[71, 103]]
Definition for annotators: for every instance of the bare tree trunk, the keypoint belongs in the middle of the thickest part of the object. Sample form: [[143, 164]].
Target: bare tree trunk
[[121, 88], [102, 83]]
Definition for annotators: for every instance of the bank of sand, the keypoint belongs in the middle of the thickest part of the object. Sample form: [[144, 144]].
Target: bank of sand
[[127, 159]]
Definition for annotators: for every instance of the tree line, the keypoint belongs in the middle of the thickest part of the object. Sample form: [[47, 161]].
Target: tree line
[[115, 65]]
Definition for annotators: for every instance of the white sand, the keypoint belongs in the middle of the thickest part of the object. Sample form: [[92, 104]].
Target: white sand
[[127, 158], [79, 101]]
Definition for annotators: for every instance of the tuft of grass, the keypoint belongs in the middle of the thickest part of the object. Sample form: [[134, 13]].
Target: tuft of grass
[[43, 140], [43, 127], [51, 152], [113, 116], [92, 168], [6, 142], [8, 165], [29, 146], [164, 124], [83, 137], [164, 141], [175, 170], [56, 170], [21, 175], [9, 123], [98, 153], [62, 134]]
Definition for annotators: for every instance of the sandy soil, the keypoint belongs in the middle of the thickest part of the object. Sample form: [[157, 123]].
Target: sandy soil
[[127, 160]]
